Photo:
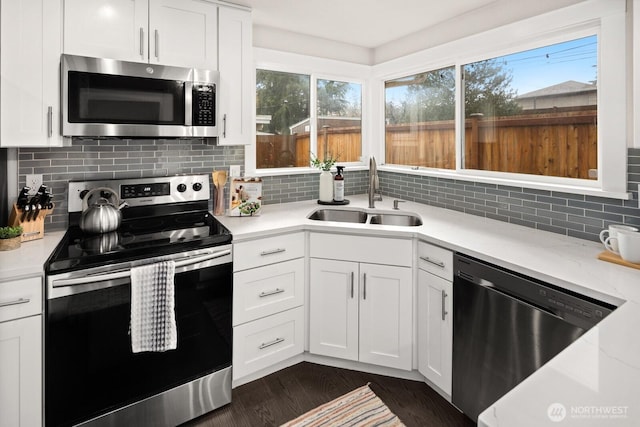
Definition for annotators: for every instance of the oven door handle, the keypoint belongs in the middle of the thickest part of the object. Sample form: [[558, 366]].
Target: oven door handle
[[183, 264]]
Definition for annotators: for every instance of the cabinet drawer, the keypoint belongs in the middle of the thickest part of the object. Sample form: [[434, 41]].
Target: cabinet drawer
[[262, 343], [267, 290], [268, 250], [20, 298], [436, 260], [374, 250]]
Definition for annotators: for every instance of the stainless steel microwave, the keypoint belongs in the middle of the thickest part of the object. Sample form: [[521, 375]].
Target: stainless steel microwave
[[109, 98]]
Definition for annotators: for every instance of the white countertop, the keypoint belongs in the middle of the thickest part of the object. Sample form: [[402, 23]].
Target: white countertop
[[597, 375], [596, 379], [29, 259]]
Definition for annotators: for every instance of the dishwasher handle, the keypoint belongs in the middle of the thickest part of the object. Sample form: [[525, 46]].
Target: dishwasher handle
[[492, 287]]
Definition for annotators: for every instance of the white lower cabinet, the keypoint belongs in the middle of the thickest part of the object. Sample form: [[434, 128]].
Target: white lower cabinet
[[435, 329], [265, 342], [268, 302], [21, 353], [361, 311]]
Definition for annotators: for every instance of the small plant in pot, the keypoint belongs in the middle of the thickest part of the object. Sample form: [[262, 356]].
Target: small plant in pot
[[10, 238], [326, 178]]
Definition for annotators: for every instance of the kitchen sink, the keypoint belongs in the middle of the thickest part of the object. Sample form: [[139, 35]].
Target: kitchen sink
[[339, 215], [409, 220], [362, 217]]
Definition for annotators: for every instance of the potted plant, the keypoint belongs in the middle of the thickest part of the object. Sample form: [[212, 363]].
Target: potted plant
[[10, 238], [326, 178]]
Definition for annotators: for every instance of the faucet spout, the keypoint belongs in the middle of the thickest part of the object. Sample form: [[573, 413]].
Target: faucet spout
[[374, 183]]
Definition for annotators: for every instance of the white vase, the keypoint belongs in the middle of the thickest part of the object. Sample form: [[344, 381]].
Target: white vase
[[326, 186]]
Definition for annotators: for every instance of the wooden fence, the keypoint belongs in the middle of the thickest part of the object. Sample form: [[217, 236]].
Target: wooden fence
[[562, 144], [274, 151]]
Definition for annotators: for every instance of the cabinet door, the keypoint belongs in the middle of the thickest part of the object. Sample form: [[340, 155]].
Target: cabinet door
[[21, 372], [435, 331], [29, 73], [333, 308], [183, 33], [236, 77], [385, 315], [115, 29]]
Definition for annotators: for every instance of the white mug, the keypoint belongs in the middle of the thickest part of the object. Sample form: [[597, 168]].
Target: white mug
[[628, 243], [612, 231]]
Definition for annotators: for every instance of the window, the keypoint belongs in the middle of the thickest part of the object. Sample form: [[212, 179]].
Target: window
[[419, 125], [282, 103], [339, 120], [534, 112], [285, 137]]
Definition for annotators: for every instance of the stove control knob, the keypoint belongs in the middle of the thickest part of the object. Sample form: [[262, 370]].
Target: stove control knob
[[197, 186], [182, 188]]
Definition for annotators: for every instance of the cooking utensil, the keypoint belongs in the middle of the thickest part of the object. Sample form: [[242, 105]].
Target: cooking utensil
[[221, 182], [101, 216], [22, 203]]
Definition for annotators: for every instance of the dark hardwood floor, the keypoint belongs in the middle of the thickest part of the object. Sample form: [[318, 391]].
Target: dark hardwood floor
[[284, 395]]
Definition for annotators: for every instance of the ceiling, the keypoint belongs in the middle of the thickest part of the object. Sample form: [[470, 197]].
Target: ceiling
[[374, 23]]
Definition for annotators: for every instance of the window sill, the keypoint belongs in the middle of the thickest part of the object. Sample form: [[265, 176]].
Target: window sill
[[467, 176], [302, 171]]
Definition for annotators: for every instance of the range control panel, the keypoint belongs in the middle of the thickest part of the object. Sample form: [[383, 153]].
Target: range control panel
[[145, 191]]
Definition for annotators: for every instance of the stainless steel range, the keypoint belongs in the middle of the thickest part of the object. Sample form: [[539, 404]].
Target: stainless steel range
[[92, 376]]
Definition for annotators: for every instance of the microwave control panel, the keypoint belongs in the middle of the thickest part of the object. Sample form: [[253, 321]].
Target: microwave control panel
[[204, 105]]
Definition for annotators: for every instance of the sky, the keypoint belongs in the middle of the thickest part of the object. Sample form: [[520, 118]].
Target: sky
[[546, 66], [549, 65]]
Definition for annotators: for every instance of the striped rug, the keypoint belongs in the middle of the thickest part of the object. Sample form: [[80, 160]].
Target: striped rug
[[359, 408]]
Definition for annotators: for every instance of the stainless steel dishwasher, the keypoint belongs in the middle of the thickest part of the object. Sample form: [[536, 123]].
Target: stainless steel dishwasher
[[505, 326]]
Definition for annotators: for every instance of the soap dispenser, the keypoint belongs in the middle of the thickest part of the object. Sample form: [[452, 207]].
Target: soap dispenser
[[338, 185]]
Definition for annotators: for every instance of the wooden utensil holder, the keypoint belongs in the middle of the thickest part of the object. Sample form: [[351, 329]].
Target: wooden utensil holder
[[31, 229]]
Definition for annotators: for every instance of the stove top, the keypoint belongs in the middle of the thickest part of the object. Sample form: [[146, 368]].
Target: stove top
[[138, 239], [151, 228]]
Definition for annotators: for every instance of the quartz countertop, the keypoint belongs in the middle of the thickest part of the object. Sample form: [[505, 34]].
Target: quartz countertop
[[28, 260], [595, 380]]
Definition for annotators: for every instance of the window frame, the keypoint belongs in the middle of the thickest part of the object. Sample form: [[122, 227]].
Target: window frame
[[315, 68], [593, 18]]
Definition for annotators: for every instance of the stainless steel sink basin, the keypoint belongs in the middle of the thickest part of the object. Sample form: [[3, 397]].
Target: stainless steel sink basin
[[396, 219], [339, 215]]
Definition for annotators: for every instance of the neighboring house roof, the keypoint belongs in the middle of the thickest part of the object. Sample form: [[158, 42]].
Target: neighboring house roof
[[565, 88]]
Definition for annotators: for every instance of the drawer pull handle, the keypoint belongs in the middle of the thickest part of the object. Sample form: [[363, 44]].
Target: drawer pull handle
[[431, 261], [273, 292], [15, 302], [270, 343], [273, 251]]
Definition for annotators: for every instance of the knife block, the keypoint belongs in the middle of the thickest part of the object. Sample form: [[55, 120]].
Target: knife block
[[32, 229]]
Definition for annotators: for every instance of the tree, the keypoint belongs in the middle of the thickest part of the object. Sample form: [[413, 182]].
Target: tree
[[430, 96], [284, 97], [487, 90], [331, 97]]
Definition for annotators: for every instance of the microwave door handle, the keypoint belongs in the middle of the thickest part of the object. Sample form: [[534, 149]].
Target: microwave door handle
[[188, 102]]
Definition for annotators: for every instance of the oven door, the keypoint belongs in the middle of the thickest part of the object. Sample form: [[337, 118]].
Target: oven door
[[90, 369]]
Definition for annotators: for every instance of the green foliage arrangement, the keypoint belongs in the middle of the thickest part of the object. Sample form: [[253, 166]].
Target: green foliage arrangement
[[10, 232], [325, 164]]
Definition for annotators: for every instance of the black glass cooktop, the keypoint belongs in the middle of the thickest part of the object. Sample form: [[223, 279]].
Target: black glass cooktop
[[137, 239]]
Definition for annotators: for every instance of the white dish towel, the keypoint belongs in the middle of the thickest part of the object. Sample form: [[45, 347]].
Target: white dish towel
[[153, 319]]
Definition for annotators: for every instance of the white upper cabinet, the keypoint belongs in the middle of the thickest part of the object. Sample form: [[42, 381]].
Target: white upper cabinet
[[183, 33], [116, 29], [169, 32], [29, 75], [236, 77]]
